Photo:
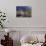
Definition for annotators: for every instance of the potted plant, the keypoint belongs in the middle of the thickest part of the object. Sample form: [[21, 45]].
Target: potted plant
[[2, 19]]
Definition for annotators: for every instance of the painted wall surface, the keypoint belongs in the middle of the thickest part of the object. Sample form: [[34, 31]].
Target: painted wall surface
[[38, 18]]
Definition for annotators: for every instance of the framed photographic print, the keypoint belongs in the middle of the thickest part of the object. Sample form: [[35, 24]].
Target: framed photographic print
[[23, 11]]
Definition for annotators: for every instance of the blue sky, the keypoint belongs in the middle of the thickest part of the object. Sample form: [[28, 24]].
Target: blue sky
[[23, 8]]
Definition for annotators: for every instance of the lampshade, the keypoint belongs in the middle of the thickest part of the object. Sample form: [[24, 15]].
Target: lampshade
[[7, 30]]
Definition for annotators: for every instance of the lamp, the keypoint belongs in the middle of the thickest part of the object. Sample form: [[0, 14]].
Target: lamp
[[7, 31]]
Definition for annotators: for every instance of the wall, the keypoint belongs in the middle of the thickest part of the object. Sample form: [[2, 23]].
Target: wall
[[38, 18]]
